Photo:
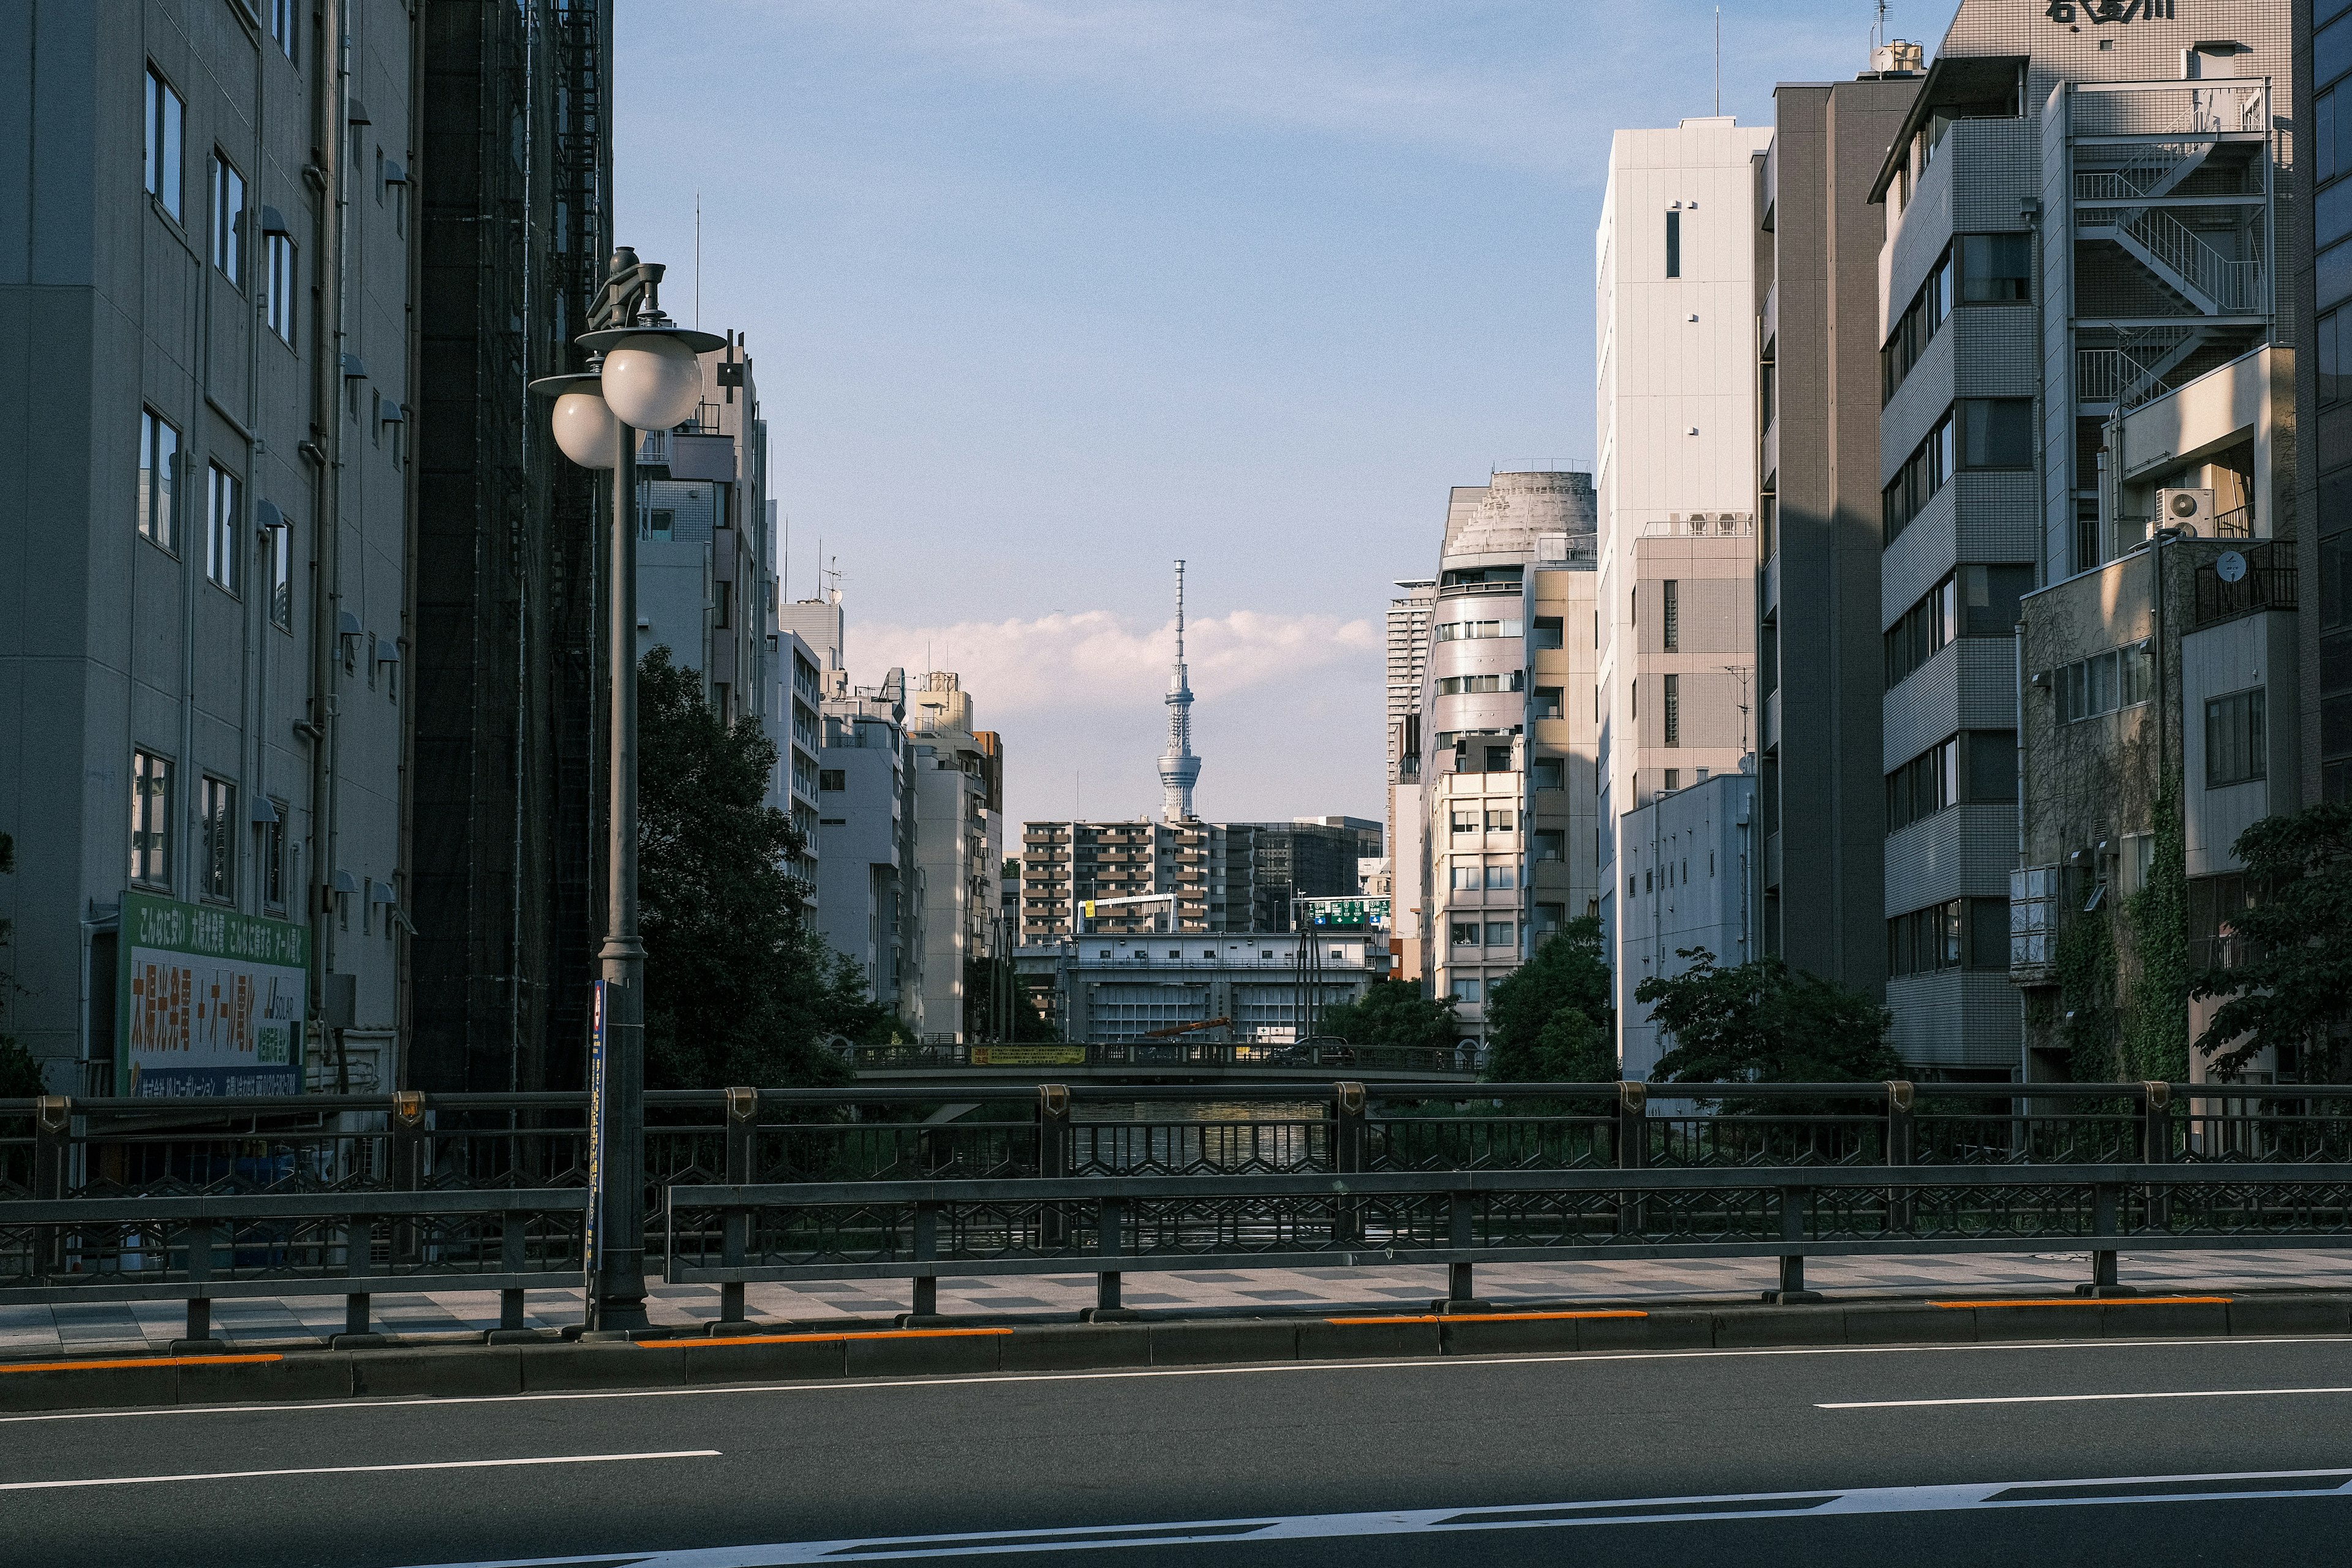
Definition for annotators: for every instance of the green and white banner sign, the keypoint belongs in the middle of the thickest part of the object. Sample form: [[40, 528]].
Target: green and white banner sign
[[211, 1001]]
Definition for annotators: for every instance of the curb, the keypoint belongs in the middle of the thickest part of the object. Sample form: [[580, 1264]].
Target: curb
[[852, 1352]]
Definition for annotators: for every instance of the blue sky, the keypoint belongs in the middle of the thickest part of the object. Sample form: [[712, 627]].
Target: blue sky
[[1044, 293]]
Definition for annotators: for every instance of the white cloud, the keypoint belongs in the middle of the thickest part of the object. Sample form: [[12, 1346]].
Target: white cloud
[[1094, 661]]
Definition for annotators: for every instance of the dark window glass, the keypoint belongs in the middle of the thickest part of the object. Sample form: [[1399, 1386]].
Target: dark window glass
[[1996, 268], [1999, 433], [1548, 631], [1673, 244], [1992, 765], [2234, 741]]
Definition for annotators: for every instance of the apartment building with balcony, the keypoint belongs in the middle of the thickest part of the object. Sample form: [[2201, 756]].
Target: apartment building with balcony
[[1138, 875], [2079, 218], [1509, 746]]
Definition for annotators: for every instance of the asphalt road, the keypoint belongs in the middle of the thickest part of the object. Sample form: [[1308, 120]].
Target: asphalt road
[[1758, 1456]]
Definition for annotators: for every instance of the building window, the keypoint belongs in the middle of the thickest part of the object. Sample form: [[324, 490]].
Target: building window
[[1549, 918], [2103, 683], [151, 819], [1465, 878], [1547, 703], [663, 523], [1924, 786], [1672, 620], [1471, 685], [1498, 819], [1501, 933], [1673, 244], [1466, 631], [2234, 743], [1547, 632], [285, 23], [832, 780], [1544, 773], [1503, 877], [1923, 632], [278, 253], [223, 498], [1465, 934], [1673, 684], [1466, 989], [280, 548], [1996, 433], [1996, 268], [1463, 821], [1673, 779], [217, 823], [1550, 844], [165, 117], [1915, 329], [159, 459], [273, 856], [1959, 934], [1919, 479], [228, 220]]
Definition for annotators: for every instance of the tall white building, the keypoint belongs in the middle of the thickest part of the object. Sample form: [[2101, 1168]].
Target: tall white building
[[1408, 652], [1676, 406]]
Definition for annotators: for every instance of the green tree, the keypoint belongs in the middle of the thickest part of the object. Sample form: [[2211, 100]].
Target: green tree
[[739, 988], [1550, 1021], [1394, 1012], [2294, 989], [1763, 1022], [20, 1075], [1029, 1024]]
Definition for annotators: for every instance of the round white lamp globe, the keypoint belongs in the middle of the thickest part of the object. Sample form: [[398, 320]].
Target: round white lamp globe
[[585, 428], [653, 382]]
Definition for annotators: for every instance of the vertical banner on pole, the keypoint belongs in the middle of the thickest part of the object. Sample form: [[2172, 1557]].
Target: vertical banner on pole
[[596, 1127]]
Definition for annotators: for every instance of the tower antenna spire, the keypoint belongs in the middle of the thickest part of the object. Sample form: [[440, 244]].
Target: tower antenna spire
[[1178, 768]]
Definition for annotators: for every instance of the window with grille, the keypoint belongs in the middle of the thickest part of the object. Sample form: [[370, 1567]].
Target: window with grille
[[1672, 616], [1673, 694], [217, 823], [151, 819]]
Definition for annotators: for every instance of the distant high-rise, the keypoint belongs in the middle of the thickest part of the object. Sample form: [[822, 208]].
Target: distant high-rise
[[1178, 768]]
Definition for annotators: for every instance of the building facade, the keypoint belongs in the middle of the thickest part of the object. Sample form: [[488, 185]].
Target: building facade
[[1689, 859], [1510, 746], [1126, 878], [2319, 279], [1408, 673], [211, 284], [1251, 988], [957, 778], [1822, 664], [1677, 390], [2080, 216]]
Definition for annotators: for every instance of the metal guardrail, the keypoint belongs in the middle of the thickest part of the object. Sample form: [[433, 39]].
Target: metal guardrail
[[1145, 1056], [360, 1195], [924, 1231]]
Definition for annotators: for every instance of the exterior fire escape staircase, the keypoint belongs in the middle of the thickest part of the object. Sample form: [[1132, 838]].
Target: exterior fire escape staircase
[[2123, 205]]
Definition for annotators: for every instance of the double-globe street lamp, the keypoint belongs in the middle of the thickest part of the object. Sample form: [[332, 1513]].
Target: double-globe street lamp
[[645, 374]]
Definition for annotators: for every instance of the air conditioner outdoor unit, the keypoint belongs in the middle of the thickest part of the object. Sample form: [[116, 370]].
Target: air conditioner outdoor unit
[[2191, 512]]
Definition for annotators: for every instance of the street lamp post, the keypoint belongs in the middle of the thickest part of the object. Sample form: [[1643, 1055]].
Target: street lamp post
[[646, 376]]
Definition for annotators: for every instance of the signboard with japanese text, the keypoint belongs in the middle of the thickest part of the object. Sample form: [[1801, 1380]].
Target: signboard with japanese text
[[596, 1125], [1343, 912], [211, 1002]]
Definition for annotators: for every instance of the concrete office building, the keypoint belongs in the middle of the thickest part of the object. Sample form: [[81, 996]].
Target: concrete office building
[[1306, 858], [1677, 389], [2079, 217], [209, 292], [1821, 666], [1125, 989], [1510, 747], [1689, 859], [2318, 283], [870, 888], [957, 776], [1408, 671]]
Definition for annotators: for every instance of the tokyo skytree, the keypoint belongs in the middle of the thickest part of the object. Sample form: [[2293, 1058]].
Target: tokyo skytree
[[1178, 768]]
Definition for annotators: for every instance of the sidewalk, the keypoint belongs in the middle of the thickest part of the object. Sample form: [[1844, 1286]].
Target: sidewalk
[[98, 1326]]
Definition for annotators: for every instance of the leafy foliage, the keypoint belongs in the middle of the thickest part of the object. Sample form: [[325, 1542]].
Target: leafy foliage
[[1763, 1022], [2156, 1035], [2086, 997], [740, 989], [1029, 1024], [2295, 991], [1550, 1021], [1393, 1013]]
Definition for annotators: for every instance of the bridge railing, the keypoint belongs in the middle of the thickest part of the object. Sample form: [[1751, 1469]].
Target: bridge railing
[[1269, 1058], [88, 1149]]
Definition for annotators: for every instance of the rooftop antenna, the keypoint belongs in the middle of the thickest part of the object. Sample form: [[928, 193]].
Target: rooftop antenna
[[698, 230], [1719, 108]]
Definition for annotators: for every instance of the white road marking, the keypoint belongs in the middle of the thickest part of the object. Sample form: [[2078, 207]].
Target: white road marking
[[356, 1470], [1268, 1369], [2074, 1398], [1826, 1502]]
